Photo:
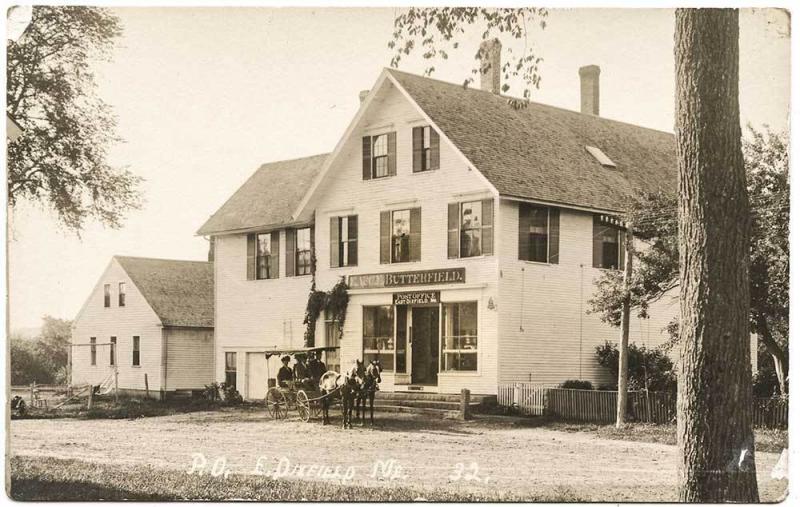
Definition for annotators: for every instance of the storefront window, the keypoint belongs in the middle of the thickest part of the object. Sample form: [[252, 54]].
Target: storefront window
[[460, 336], [379, 335]]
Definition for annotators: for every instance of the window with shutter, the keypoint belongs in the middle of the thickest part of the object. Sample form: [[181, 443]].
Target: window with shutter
[[386, 237], [607, 243], [344, 241], [251, 256], [267, 255], [470, 228], [538, 233], [379, 156], [425, 147], [291, 251], [302, 254], [415, 242]]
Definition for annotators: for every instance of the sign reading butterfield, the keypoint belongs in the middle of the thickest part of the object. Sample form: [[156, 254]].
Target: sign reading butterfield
[[407, 278], [421, 297]]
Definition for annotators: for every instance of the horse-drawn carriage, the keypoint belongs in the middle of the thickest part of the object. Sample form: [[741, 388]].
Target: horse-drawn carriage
[[306, 398], [313, 398]]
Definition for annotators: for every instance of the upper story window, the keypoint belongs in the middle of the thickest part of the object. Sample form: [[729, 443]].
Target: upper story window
[[303, 253], [263, 254], [121, 296], [107, 295], [344, 241], [539, 233], [401, 235], [470, 228], [379, 156], [425, 142], [607, 243], [401, 238]]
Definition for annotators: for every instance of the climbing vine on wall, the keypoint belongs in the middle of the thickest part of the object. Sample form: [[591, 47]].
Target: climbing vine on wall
[[334, 302]]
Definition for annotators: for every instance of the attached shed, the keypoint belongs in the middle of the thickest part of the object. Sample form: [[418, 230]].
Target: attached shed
[[150, 323]]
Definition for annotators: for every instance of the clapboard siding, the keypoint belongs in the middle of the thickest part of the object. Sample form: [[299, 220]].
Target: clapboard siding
[[346, 193], [254, 314], [546, 334], [136, 318], [190, 355]]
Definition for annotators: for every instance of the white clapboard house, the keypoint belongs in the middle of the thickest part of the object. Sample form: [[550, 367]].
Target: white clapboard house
[[147, 319], [469, 232]]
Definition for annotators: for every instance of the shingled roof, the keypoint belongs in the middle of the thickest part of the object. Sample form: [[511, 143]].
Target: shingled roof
[[267, 198], [539, 152], [180, 292]]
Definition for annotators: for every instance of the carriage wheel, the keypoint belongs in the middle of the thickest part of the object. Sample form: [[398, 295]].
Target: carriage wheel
[[303, 406], [276, 404]]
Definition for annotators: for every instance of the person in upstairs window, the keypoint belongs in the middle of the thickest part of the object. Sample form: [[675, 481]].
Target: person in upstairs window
[[285, 374]]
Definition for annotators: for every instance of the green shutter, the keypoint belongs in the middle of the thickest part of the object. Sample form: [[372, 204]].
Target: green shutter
[[452, 229], [434, 150], [417, 137], [291, 251], [553, 240], [275, 254], [487, 228], [251, 256], [366, 157], [524, 232], [352, 236], [334, 242], [386, 237], [392, 152], [415, 239]]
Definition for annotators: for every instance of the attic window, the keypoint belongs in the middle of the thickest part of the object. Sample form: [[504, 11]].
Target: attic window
[[601, 157]]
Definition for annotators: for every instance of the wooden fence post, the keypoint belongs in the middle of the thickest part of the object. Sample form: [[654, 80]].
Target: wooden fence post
[[91, 398], [146, 386], [116, 386], [464, 413]]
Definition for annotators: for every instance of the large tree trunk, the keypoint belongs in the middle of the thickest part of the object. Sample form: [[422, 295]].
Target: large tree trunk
[[779, 358], [715, 435]]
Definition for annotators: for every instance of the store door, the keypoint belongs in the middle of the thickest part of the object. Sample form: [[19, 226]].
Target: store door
[[425, 345]]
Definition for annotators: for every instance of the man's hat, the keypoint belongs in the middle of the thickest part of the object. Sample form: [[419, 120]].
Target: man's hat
[[285, 359]]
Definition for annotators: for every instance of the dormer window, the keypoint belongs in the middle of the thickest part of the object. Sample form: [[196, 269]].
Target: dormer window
[[601, 157], [379, 156]]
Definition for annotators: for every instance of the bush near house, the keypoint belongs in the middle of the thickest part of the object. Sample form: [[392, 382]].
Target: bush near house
[[648, 369], [576, 384]]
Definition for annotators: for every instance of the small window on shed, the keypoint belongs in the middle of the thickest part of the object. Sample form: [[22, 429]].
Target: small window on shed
[[601, 157]]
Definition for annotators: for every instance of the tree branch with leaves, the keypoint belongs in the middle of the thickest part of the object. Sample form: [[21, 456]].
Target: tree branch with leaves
[[60, 160]]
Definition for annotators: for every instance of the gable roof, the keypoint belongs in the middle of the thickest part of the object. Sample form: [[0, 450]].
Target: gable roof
[[539, 152], [181, 293], [267, 198]]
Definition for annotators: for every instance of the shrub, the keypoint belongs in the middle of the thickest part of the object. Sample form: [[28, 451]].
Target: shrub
[[647, 368], [577, 384], [211, 391], [230, 396]]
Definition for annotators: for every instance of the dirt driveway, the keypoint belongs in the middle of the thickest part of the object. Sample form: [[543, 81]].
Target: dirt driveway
[[478, 456]]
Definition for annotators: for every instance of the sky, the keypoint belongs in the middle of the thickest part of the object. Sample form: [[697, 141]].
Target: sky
[[204, 96]]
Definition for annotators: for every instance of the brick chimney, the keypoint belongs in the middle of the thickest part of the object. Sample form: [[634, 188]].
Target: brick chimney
[[362, 95], [490, 65], [590, 89]]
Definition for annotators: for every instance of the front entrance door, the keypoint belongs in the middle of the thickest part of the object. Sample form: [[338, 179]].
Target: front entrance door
[[425, 345]]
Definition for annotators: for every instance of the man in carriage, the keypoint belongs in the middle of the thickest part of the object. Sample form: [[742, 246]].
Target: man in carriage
[[285, 374], [302, 374], [316, 368]]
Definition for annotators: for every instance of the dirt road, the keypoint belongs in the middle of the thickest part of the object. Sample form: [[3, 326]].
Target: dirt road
[[479, 456]]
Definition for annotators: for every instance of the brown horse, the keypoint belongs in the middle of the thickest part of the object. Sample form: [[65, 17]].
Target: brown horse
[[343, 386], [372, 377]]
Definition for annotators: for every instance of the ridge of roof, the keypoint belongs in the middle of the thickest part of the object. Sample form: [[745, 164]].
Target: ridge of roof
[[538, 152], [180, 292], [234, 215], [539, 104]]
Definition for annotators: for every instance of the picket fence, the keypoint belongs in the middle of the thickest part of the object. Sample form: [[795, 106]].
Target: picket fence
[[601, 406]]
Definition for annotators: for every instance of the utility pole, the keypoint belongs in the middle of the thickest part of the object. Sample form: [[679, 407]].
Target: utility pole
[[624, 328]]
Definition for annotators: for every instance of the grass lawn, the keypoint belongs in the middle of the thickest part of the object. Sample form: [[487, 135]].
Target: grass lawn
[[52, 479], [766, 440]]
